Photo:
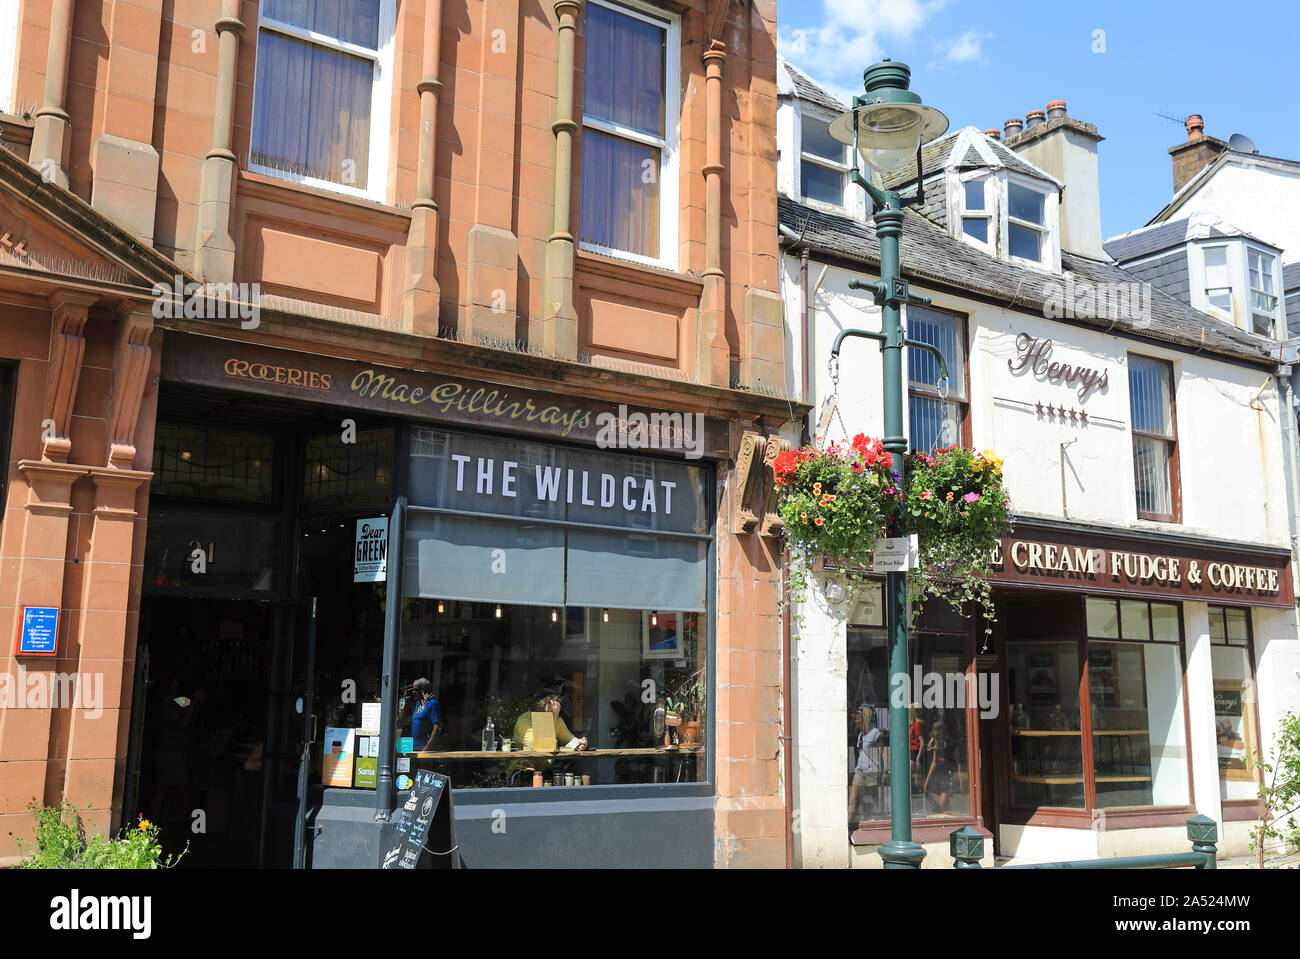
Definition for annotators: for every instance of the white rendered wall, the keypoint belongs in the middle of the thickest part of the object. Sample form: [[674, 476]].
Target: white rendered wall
[[1257, 198]]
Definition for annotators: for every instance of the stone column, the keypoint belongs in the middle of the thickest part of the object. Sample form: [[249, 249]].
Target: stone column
[[714, 359], [559, 334], [52, 132], [214, 247], [420, 308]]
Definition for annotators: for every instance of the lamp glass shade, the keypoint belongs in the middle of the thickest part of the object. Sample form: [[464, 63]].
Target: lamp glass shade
[[889, 134]]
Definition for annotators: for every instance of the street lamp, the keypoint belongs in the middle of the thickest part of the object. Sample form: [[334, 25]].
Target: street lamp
[[888, 125]]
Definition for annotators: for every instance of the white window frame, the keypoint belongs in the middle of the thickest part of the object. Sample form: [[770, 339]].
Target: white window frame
[[817, 160], [381, 97], [1279, 323], [1048, 254], [1210, 306], [667, 145], [989, 213]]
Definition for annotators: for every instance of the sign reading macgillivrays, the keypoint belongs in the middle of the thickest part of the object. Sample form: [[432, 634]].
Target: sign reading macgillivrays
[[1069, 559], [431, 396]]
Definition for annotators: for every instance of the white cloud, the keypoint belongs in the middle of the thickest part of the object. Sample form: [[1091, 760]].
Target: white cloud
[[853, 35], [968, 48]]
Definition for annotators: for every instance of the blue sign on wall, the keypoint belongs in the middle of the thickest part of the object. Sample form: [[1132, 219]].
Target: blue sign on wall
[[38, 633]]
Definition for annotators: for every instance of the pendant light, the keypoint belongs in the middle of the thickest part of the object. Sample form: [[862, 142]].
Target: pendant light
[[604, 615]]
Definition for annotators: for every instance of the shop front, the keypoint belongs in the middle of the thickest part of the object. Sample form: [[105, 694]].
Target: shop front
[[553, 652]]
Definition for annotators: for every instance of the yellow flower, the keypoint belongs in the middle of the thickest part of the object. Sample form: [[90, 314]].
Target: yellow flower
[[145, 824]]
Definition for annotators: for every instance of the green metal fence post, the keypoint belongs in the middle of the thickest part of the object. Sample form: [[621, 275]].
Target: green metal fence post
[[967, 847], [1204, 834]]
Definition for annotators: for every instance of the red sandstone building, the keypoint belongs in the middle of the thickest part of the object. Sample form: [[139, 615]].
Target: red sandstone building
[[445, 246]]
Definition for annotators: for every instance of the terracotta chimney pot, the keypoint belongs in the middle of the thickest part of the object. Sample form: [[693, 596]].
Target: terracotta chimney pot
[[1056, 109], [1034, 117], [1195, 127], [1011, 127]]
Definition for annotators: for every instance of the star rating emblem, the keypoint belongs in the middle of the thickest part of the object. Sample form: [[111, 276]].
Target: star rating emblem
[[1039, 404], [1083, 417]]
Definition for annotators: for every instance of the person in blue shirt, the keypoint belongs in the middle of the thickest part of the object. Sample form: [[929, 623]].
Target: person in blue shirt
[[426, 720]]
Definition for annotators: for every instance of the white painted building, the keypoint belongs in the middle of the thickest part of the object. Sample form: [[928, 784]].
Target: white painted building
[[1159, 460]]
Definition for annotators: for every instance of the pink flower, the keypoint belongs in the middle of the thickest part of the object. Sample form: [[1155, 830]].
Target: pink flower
[[926, 495], [971, 497]]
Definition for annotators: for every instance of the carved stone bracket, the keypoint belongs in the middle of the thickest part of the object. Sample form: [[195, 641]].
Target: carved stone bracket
[[130, 376], [773, 525], [67, 348], [748, 483]]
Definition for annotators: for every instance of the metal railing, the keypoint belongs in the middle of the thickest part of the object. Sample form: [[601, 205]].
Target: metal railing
[[967, 848]]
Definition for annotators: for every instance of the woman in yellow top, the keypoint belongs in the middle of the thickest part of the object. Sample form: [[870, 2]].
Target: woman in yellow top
[[523, 736]]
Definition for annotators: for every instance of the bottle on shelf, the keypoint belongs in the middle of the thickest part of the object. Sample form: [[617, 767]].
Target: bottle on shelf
[[489, 737]]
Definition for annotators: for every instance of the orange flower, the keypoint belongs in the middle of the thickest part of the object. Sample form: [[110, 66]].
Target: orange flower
[[819, 521], [804, 517], [830, 498], [145, 824], [950, 497]]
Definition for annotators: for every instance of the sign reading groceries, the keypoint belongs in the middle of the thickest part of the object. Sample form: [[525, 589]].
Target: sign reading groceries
[[1075, 560]]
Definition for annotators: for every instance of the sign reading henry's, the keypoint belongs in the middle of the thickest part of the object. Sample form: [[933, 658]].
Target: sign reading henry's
[[1075, 560]]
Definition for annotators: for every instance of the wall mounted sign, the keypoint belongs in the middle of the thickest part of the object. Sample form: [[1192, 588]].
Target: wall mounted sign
[[1034, 354], [38, 631], [895, 554], [370, 551], [206, 361], [1068, 559]]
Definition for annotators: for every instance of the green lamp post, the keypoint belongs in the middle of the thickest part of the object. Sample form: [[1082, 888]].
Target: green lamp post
[[888, 124]]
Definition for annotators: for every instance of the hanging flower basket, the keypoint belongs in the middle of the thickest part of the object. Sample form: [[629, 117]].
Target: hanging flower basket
[[956, 504], [835, 502]]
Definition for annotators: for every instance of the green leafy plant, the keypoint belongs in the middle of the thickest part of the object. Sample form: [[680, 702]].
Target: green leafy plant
[[688, 696], [835, 502], [957, 505], [61, 843], [1280, 791]]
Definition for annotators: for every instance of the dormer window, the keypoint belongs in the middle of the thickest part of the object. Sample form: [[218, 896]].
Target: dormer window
[[1263, 291], [1218, 281], [1026, 221], [978, 210], [823, 162]]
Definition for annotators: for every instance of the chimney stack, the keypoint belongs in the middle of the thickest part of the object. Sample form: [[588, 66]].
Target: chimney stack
[[1195, 153], [1011, 127], [1066, 148], [994, 133]]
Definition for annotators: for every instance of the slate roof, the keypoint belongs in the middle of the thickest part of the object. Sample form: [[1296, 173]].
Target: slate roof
[[1165, 236], [935, 156], [1291, 276], [805, 89], [932, 257]]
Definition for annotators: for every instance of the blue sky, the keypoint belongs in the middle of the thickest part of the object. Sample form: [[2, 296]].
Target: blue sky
[[984, 61]]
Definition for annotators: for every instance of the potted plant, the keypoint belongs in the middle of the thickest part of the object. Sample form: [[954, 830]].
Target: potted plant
[[686, 700]]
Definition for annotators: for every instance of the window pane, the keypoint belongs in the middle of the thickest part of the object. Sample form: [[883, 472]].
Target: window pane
[[349, 474], [1023, 242], [1217, 633], [976, 226], [945, 333], [1234, 721], [1025, 204], [352, 21], [1262, 323], [623, 71], [974, 194], [311, 110], [1261, 272], [817, 140], [1135, 620], [1216, 267], [480, 665], [1237, 628], [1103, 618], [620, 193], [240, 550], [822, 184], [933, 424], [936, 733], [1139, 743], [211, 464], [1149, 396], [1046, 735], [1164, 622], [1151, 476]]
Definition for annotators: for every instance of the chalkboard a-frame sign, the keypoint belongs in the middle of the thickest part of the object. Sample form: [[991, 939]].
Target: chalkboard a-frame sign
[[425, 835]]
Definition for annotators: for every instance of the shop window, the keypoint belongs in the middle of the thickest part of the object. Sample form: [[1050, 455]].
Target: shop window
[[355, 474], [540, 579], [1047, 767], [212, 464], [1155, 438], [629, 192], [321, 93], [823, 162], [238, 551], [936, 420], [1235, 726], [939, 763]]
